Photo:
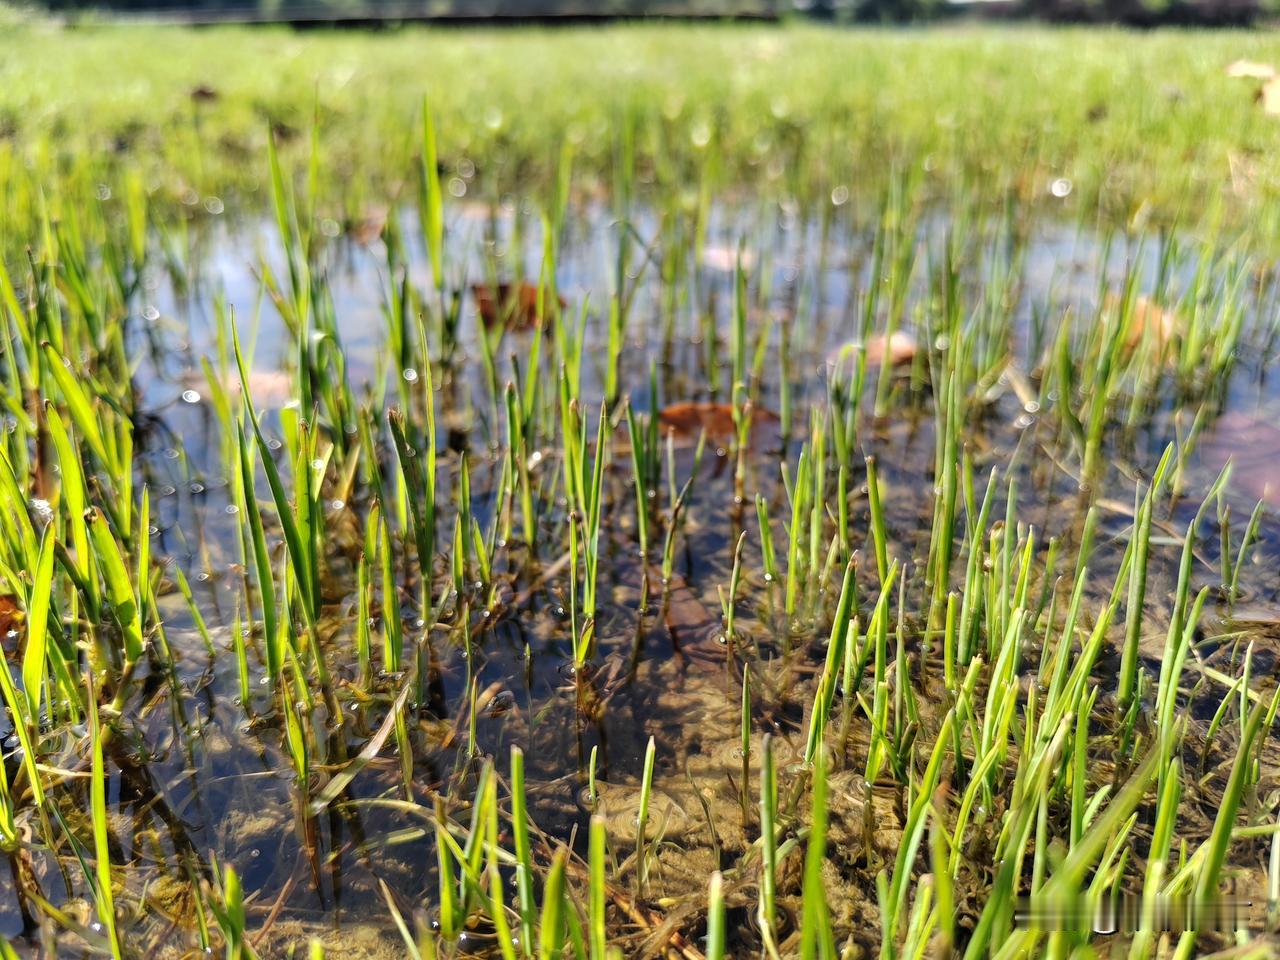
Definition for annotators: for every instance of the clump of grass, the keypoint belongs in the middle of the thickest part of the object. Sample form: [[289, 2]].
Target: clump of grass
[[406, 561]]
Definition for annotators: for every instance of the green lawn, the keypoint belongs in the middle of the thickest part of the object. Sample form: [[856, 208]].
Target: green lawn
[[1142, 123]]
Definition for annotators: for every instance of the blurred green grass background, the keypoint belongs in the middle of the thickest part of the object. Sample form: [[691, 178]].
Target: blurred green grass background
[[1143, 125]]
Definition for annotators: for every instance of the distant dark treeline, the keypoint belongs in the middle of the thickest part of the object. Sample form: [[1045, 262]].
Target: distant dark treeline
[[1140, 12]]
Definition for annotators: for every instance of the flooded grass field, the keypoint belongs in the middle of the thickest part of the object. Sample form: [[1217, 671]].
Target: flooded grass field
[[636, 567]]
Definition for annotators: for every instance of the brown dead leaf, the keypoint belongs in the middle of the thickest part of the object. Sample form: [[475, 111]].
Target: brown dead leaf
[[1150, 320], [368, 228], [1252, 444], [266, 387], [11, 617], [688, 420], [1250, 69], [516, 306], [899, 347]]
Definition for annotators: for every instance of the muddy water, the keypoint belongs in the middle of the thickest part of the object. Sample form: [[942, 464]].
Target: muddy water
[[205, 776]]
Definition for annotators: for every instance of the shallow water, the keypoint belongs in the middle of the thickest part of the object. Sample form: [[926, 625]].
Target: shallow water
[[202, 777]]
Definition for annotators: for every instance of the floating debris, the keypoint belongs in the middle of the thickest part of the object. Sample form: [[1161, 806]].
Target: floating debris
[[899, 348], [516, 305], [689, 420]]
